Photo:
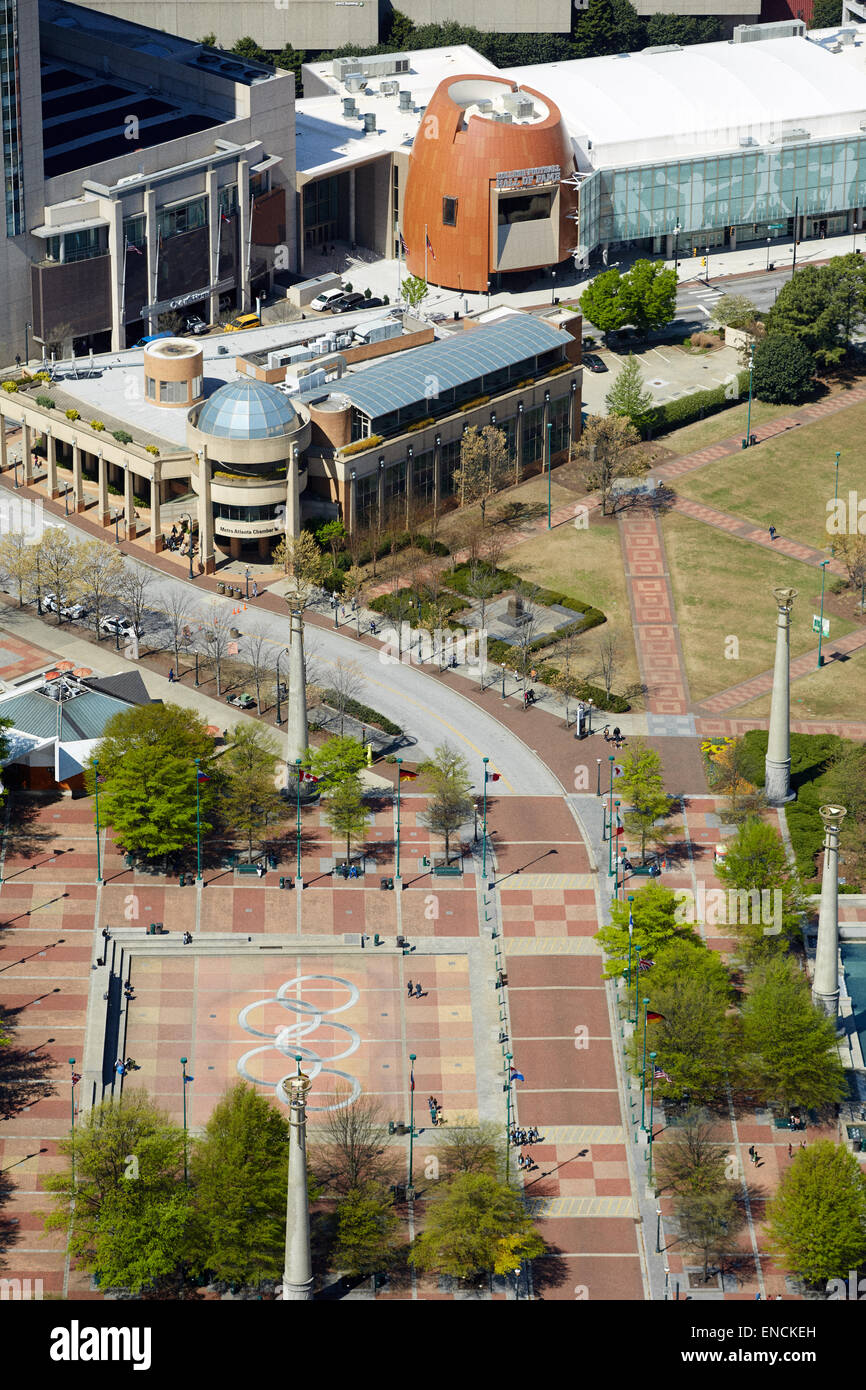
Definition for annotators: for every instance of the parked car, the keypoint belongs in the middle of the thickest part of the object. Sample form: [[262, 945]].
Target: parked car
[[195, 325], [594, 363], [114, 625], [152, 338], [71, 611], [347, 302], [241, 701], [243, 321], [372, 303], [326, 299]]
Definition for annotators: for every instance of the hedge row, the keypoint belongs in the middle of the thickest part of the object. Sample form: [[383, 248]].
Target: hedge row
[[675, 414], [385, 603], [811, 755], [362, 712]]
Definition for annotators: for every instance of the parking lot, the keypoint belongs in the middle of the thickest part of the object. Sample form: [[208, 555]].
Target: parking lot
[[669, 371]]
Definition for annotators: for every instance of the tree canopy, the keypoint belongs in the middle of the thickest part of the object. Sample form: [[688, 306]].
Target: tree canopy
[[476, 1224], [784, 370], [789, 1051], [816, 1222]]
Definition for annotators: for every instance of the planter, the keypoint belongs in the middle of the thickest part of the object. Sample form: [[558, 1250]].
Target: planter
[[221, 588]]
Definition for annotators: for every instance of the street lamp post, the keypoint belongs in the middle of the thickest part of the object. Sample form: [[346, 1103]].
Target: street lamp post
[[247, 581], [298, 776], [677, 230], [748, 439], [198, 817], [598, 776], [836, 494], [653, 1056], [96, 796], [185, 1078], [66, 500], [824, 564], [658, 1230], [610, 821], [484, 824], [503, 679], [187, 517], [643, 1071], [399, 766], [708, 263], [553, 287], [769, 240], [27, 327], [637, 961], [410, 1190], [509, 1058], [72, 1116]]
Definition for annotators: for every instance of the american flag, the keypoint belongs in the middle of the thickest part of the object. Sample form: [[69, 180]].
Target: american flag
[[430, 247], [660, 1075], [644, 965]]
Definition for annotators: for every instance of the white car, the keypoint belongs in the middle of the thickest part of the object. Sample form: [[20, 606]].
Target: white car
[[117, 626], [70, 611], [326, 299]]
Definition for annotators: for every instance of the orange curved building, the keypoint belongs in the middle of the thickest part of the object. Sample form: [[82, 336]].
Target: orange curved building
[[485, 192]]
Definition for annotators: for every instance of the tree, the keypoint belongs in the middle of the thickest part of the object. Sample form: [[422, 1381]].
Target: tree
[[821, 306], [366, 1231], [709, 1224], [17, 561], [238, 1170], [302, 558], [216, 634], [147, 777], [627, 398], [102, 571], [251, 801], [735, 311], [483, 584], [655, 922], [353, 582], [331, 534], [689, 987], [249, 49], [351, 1150], [826, 14], [136, 586], [649, 295], [789, 1048], [472, 1146], [126, 1212], [756, 863], [604, 444], [447, 779], [851, 550], [336, 761], [346, 813], [603, 303], [520, 654], [59, 556], [608, 648], [258, 651], [177, 622], [682, 29], [732, 764], [483, 464], [784, 370], [691, 1161], [610, 26], [816, 1222], [642, 784], [347, 685], [844, 784], [471, 1227], [414, 290]]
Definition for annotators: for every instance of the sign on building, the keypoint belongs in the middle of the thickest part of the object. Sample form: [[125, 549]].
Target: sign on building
[[513, 179]]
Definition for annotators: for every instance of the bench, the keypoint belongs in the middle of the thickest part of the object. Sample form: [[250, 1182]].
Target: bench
[[447, 871], [644, 870], [247, 868]]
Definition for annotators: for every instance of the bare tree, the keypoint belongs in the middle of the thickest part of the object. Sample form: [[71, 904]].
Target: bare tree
[[16, 561], [472, 1146], [216, 634], [58, 558], [352, 1148], [135, 591], [179, 624], [482, 586], [258, 653], [102, 571], [347, 684], [519, 654], [604, 446], [608, 649]]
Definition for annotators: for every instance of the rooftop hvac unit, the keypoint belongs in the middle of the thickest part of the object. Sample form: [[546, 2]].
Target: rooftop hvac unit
[[406, 103], [797, 134], [389, 88], [520, 105], [369, 122], [349, 106], [504, 117], [485, 104], [354, 82], [781, 29], [847, 36], [746, 140]]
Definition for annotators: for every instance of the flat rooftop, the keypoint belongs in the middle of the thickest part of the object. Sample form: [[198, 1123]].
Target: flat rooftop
[[634, 108]]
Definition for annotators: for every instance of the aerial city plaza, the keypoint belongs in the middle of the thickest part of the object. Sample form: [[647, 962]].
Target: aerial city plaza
[[433, 656]]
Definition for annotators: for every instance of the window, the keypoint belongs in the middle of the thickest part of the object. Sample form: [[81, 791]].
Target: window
[[530, 207], [196, 386], [449, 212], [181, 217], [360, 425], [150, 388], [173, 392]]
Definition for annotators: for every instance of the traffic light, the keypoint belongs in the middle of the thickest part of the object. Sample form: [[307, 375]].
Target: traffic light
[[694, 250], [703, 260]]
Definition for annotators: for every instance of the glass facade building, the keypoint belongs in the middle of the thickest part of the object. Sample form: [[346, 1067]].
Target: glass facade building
[[755, 193], [10, 106]]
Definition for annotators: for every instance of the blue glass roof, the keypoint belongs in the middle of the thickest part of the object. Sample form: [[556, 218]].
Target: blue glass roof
[[246, 410], [430, 371]]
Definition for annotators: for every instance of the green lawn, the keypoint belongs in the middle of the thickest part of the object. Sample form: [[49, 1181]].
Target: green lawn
[[721, 426], [724, 603], [837, 691], [788, 480], [588, 565]]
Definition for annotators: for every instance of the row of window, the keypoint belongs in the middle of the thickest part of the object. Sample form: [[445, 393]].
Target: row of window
[[231, 513], [173, 392]]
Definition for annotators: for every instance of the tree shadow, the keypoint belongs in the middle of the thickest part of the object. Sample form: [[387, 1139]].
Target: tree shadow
[[10, 1232], [549, 1271], [24, 836], [25, 1075]]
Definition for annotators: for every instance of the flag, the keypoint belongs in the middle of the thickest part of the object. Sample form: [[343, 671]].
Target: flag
[[654, 1018], [430, 246], [233, 649], [517, 1075], [137, 249], [660, 1075], [408, 776], [644, 965], [224, 217], [203, 777], [76, 1077], [492, 776], [403, 245], [412, 1079]]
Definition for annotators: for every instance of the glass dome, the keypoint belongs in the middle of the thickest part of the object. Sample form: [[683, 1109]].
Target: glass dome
[[246, 410]]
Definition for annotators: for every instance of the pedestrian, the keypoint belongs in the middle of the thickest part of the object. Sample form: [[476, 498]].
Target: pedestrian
[[418, 991], [171, 675], [410, 988], [756, 1158], [260, 870], [802, 1143], [790, 1150], [772, 533], [533, 673], [255, 589], [752, 1152]]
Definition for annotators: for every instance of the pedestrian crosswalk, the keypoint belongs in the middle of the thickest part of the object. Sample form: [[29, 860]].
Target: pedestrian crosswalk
[[551, 946], [541, 1208]]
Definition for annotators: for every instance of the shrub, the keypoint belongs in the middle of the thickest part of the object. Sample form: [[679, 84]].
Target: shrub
[[479, 400], [41, 376], [675, 414], [360, 445], [420, 425], [784, 369], [72, 414], [704, 340], [46, 402], [122, 436], [10, 386], [362, 712], [151, 449], [97, 425]]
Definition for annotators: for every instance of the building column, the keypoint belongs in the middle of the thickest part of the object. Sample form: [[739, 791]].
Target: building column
[[575, 417], [77, 480], [245, 213], [777, 782], [129, 501], [293, 493], [297, 731], [437, 472], [27, 453], [156, 537], [4, 457], [214, 242], [298, 1272], [352, 523], [205, 515], [104, 510], [152, 256], [117, 252], [518, 443], [51, 448], [352, 205], [825, 985], [410, 473]]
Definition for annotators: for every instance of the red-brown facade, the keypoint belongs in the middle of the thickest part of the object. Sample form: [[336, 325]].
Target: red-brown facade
[[454, 158]]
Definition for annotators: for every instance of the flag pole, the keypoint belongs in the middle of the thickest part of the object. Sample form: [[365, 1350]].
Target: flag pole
[[198, 819], [425, 253]]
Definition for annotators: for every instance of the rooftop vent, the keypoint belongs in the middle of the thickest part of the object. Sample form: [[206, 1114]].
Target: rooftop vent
[[390, 88], [349, 106], [782, 29], [369, 122]]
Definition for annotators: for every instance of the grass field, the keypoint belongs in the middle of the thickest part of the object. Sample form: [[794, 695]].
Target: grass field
[[789, 480], [724, 425], [588, 565], [838, 691], [723, 592]]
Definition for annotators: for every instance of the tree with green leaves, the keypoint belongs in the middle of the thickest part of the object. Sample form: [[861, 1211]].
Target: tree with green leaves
[[346, 813], [642, 785], [606, 27], [238, 1170], [756, 862], [414, 289], [367, 1227], [126, 1211], [251, 802], [690, 989], [247, 47], [826, 14], [336, 761], [472, 1146], [682, 29], [649, 295], [477, 1225], [605, 451], [301, 557], [603, 302], [655, 922], [735, 311], [844, 783], [627, 397], [789, 1053], [446, 778], [331, 534], [816, 1222], [784, 370], [147, 777], [822, 306]]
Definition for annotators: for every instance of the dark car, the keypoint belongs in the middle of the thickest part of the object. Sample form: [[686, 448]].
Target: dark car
[[594, 363], [347, 302], [373, 303]]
